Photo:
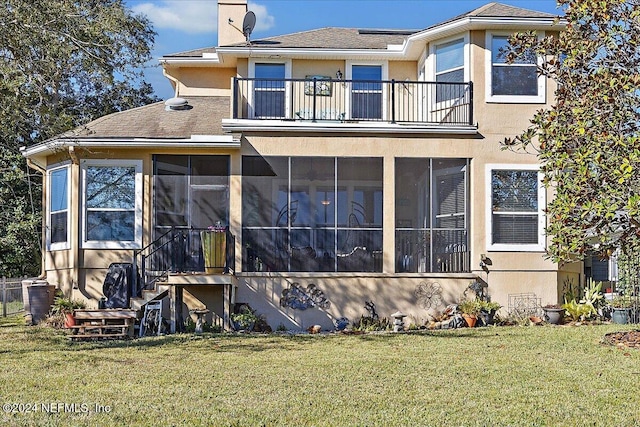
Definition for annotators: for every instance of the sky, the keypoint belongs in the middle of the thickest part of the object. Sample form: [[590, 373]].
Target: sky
[[192, 24]]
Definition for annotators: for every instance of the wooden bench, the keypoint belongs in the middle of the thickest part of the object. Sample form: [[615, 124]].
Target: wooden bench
[[103, 323]]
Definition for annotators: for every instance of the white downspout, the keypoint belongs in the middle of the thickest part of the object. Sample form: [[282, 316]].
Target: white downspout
[[173, 79], [43, 242]]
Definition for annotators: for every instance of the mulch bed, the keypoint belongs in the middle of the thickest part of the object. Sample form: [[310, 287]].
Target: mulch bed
[[629, 339]]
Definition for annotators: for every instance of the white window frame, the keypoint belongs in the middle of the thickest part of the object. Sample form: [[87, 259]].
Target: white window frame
[[67, 243], [287, 86], [423, 107], [113, 244], [513, 99], [434, 106], [510, 247], [385, 76]]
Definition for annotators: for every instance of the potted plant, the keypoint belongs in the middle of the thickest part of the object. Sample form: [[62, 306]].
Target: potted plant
[[587, 307], [553, 313], [470, 310], [64, 307], [488, 310], [621, 309], [244, 320]]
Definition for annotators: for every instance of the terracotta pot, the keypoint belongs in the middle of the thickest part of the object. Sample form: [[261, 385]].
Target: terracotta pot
[[69, 320], [470, 319]]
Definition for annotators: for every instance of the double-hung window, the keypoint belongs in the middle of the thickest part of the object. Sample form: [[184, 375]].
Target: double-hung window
[[512, 82], [449, 68], [112, 203], [58, 208], [516, 204]]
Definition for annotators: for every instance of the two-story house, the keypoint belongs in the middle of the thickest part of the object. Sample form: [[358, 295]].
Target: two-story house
[[336, 166]]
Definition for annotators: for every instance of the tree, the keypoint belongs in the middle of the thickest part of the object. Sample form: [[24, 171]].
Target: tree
[[62, 64], [587, 141]]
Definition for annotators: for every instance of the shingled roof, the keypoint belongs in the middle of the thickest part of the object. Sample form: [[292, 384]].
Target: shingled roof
[[498, 10], [202, 117], [354, 38], [336, 38]]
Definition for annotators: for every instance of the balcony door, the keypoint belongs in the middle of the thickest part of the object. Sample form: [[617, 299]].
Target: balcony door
[[269, 93], [366, 92]]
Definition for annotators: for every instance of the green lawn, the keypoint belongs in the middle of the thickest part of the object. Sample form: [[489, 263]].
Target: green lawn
[[502, 376]]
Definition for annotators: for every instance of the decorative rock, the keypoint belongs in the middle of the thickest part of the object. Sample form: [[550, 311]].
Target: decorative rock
[[341, 323], [315, 329]]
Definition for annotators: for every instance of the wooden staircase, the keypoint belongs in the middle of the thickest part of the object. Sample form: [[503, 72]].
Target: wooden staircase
[[167, 265], [161, 290]]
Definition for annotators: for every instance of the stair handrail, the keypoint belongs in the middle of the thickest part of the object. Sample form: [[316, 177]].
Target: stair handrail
[[141, 256]]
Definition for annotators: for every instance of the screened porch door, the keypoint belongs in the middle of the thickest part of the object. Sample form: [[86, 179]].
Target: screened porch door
[[191, 193]]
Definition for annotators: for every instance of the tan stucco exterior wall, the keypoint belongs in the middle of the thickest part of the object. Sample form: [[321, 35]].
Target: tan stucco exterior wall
[[204, 297], [195, 81], [347, 295]]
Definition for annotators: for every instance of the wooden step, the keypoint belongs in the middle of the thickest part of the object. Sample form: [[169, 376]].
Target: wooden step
[[101, 336], [137, 303], [83, 329]]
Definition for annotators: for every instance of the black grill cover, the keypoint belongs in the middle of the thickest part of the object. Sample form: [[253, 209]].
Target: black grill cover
[[118, 286]]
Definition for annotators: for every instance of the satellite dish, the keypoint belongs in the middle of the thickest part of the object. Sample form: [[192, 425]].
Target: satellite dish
[[248, 23]]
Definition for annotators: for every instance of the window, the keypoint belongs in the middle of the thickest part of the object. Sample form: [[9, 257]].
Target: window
[[515, 82], [366, 92], [112, 202], [449, 69], [431, 215], [269, 92], [516, 206], [58, 207], [311, 213]]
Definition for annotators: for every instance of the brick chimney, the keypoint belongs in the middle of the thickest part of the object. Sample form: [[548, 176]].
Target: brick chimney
[[230, 32]]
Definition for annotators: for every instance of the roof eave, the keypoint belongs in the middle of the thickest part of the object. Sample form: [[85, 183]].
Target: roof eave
[[478, 23], [206, 59], [391, 52], [40, 151]]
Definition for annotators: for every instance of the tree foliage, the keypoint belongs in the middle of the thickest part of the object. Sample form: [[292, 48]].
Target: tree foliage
[[62, 64], [587, 141]]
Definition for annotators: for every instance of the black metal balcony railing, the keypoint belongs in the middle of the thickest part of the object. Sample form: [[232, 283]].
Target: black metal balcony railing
[[181, 251], [331, 100]]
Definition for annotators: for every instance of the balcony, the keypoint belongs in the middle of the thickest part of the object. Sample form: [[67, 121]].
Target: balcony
[[339, 104]]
